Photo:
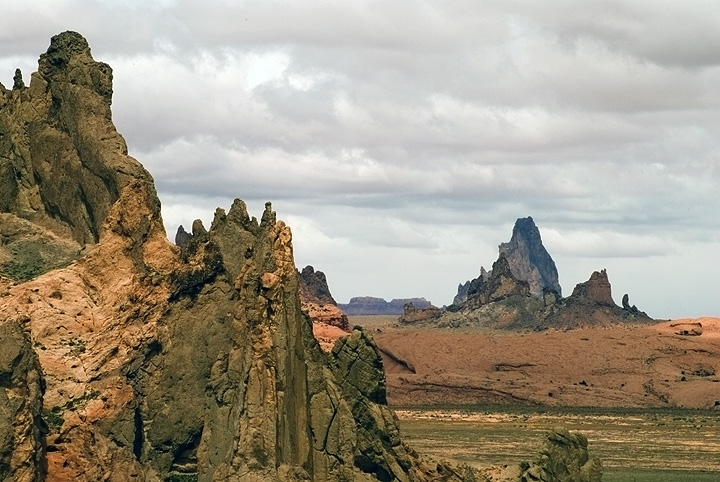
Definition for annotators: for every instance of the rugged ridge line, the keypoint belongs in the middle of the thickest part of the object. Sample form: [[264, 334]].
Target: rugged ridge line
[[152, 362]]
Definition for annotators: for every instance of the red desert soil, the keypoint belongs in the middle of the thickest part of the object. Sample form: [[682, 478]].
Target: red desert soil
[[327, 334], [673, 363]]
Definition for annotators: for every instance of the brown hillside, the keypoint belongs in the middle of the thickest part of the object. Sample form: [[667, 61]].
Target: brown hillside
[[674, 363]]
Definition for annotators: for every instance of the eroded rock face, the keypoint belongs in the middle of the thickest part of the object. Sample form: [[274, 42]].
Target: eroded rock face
[[63, 164], [595, 290], [501, 283], [22, 431], [164, 363], [529, 260]]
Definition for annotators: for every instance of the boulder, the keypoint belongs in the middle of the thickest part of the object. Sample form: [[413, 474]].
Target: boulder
[[564, 458]]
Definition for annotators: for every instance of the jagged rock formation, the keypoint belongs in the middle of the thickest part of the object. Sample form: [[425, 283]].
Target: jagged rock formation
[[153, 362], [317, 301], [368, 305], [500, 284], [596, 290], [503, 301], [63, 165], [591, 304], [564, 458], [522, 292], [182, 237], [528, 260]]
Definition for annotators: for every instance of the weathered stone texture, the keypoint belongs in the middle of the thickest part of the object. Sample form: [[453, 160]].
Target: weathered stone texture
[[22, 431], [528, 258], [564, 458], [140, 360]]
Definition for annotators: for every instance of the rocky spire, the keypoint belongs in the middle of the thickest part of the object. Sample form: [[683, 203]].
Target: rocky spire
[[528, 258], [595, 290], [62, 163]]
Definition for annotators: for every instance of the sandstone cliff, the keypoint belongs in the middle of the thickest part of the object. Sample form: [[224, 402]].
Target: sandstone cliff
[[138, 360]]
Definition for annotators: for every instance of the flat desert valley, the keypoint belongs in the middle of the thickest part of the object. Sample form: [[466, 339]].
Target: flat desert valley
[[646, 396]]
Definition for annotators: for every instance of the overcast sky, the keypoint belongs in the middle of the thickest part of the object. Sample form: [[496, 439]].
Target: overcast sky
[[401, 140]]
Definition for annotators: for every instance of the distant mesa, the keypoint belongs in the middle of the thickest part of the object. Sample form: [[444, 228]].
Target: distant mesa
[[368, 305]]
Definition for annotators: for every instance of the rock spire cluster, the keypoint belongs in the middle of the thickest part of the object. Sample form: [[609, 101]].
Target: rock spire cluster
[[522, 291], [135, 359]]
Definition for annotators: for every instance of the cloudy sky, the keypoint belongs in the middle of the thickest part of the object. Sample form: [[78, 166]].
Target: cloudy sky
[[400, 140]]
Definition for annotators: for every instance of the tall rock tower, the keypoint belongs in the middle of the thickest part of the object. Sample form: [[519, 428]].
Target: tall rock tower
[[528, 258]]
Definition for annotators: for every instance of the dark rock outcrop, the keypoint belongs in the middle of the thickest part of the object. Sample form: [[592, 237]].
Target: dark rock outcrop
[[591, 304], [182, 237], [564, 458], [521, 292], [368, 305], [499, 284], [317, 301], [596, 290], [314, 287], [161, 363], [528, 258]]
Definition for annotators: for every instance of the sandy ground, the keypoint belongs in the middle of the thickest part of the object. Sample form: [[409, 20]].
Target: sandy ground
[[672, 363], [327, 334]]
